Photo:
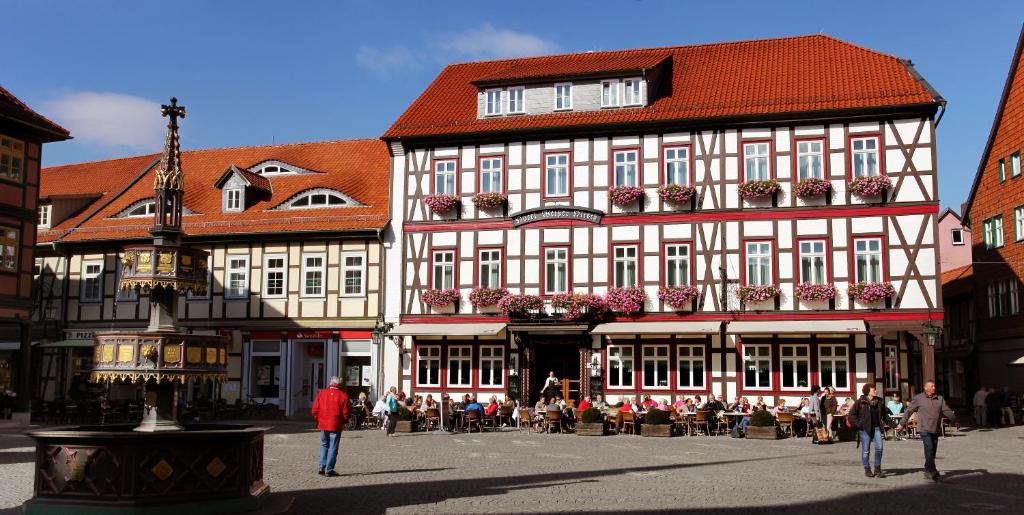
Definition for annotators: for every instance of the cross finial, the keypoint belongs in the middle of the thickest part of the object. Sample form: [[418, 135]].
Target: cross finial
[[173, 110]]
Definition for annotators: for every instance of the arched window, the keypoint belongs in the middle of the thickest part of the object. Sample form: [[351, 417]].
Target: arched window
[[319, 198], [273, 167], [144, 207]]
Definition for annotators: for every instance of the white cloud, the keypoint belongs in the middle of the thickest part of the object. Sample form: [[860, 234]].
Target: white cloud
[[110, 120], [385, 60], [488, 42]]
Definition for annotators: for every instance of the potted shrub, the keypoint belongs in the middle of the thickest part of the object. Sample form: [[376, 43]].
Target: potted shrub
[[758, 189], [656, 423], [483, 297], [677, 194], [679, 297], [811, 187], [574, 306], [491, 200], [869, 293], [438, 299], [623, 196], [812, 291], [762, 426], [520, 304], [405, 421], [591, 423], [626, 300], [870, 186], [753, 293], [441, 203]]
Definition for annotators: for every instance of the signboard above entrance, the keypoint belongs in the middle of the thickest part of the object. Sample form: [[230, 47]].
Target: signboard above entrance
[[540, 214]]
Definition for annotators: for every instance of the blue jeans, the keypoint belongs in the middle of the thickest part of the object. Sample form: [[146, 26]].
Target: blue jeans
[[329, 449], [931, 446], [743, 423], [865, 443]]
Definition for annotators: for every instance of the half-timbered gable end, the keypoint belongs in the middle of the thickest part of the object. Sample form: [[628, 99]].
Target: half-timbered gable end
[[789, 180]]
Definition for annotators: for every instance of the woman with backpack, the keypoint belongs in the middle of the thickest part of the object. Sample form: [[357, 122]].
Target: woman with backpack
[[868, 416]]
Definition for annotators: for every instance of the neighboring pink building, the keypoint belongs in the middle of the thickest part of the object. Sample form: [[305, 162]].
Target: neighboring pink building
[[954, 239]]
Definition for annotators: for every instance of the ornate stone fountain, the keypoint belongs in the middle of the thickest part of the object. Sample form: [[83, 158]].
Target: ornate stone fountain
[[158, 466]]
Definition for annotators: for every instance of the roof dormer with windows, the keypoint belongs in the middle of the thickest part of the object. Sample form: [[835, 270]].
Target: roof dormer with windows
[[240, 188], [563, 96], [143, 208], [272, 168], [318, 198]]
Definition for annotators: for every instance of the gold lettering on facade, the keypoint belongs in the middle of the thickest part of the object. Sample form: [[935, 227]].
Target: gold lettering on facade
[[108, 353], [165, 264], [172, 354], [145, 262], [126, 352]]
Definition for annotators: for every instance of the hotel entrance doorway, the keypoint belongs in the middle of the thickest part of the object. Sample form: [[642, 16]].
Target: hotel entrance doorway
[[560, 357]]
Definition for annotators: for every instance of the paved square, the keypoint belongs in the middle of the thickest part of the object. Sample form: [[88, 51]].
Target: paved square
[[523, 472]]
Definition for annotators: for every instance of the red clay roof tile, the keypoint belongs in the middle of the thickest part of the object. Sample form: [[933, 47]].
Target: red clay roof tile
[[15, 109]]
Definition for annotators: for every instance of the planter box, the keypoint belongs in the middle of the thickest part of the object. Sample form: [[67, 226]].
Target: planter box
[[762, 433], [404, 426], [590, 429], [660, 430]]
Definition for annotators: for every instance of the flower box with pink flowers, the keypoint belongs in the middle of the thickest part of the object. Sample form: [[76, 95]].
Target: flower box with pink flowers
[[870, 186], [574, 306], [754, 293], [483, 297], [870, 293], [811, 187], [814, 291], [678, 297], [441, 203], [758, 189], [626, 300], [520, 304], [623, 196], [490, 200], [677, 193], [440, 298]]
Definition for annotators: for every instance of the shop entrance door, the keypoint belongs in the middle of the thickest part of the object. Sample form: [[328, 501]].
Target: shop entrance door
[[316, 378], [564, 361]]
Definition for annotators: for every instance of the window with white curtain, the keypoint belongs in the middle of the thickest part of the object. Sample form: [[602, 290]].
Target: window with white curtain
[[556, 270], [490, 268], [677, 165], [677, 264], [516, 100], [492, 102], [556, 175], [625, 266], [867, 254], [444, 269], [444, 177], [810, 159], [563, 96], [812, 262], [490, 175], [625, 168], [865, 156], [759, 263], [755, 161]]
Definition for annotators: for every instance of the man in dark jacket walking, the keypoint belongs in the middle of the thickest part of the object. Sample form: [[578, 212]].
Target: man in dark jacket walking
[[930, 409], [868, 416], [331, 413]]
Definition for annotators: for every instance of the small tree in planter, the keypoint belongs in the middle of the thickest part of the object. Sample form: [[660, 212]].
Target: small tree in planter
[[441, 203], [812, 187], [656, 423], [483, 297], [869, 293], [762, 426], [679, 297], [491, 200], [520, 304], [812, 291], [870, 186], [758, 189], [624, 196], [439, 299], [754, 293], [677, 194], [575, 305], [626, 300], [591, 423], [405, 421]]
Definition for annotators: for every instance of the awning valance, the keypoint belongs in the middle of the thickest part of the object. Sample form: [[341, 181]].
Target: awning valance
[[749, 327], [66, 343], [687, 327], [440, 329]]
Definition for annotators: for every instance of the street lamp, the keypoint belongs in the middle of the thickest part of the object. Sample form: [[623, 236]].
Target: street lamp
[[931, 333]]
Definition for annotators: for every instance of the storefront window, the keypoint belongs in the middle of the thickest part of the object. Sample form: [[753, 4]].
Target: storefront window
[[691, 366], [796, 366], [655, 366], [620, 366], [834, 366], [757, 366], [891, 368], [492, 370], [428, 365], [460, 362], [265, 370]]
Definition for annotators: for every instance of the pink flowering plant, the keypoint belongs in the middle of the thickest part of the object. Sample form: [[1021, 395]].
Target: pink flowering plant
[[812, 187], [626, 300], [678, 297], [441, 203], [483, 297], [575, 305], [758, 293], [676, 193], [753, 190], [440, 298], [520, 304], [623, 196], [813, 291], [870, 186], [869, 293], [490, 200]]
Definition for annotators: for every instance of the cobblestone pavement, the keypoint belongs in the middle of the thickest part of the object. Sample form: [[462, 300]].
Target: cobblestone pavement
[[523, 472]]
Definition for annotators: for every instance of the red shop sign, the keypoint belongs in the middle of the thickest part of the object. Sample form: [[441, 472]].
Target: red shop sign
[[311, 335]]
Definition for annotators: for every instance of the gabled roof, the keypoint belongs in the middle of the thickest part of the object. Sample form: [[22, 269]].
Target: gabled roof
[[359, 168], [13, 108], [950, 212], [790, 76], [252, 180]]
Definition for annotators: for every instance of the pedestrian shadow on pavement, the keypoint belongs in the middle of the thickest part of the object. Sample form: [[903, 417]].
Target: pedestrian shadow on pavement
[[405, 471], [945, 474]]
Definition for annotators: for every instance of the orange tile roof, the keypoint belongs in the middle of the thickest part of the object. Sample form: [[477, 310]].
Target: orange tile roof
[[12, 107], [799, 74], [957, 281], [357, 168]]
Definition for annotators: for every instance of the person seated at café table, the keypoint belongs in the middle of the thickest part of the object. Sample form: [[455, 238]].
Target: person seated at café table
[[691, 406], [664, 406], [698, 402], [743, 406], [474, 406], [584, 404], [846, 407], [780, 408], [714, 405], [600, 403], [492, 407], [648, 402], [895, 405], [542, 404], [760, 403], [429, 402]]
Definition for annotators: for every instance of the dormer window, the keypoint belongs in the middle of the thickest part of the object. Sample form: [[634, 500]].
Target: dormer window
[[563, 96], [271, 168], [233, 200], [45, 212], [610, 93], [493, 102], [318, 199], [517, 100], [141, 208], [631, 92]]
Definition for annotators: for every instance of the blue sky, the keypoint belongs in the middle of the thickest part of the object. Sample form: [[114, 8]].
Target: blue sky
[[256, 72]]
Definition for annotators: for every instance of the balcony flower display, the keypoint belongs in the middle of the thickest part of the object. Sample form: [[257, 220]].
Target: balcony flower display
[[812, 187], [676, 193], [870, 186], [483, 297], [869, 293], [440, 298], [575, 305], [813, 291], [623, 196], [519, 304], [491, 200], [626, 300], [753, 190], [678, 297], [441, 203], [758, 293]]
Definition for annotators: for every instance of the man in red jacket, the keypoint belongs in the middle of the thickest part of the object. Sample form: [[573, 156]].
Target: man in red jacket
[[331, 413]]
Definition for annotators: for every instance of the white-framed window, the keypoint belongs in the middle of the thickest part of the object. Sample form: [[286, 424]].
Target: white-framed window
[[625, 167], [10, 245], [443, 269], [318, 199], [631, 92], [1003, 298], [834, 365], [92, 281], [796, 366], [620, 366], [865, 156], [813, 262], [124, 294], [353, 274], [492, 102], [428, 365], [12, 159], [489, 268], [275, 276], [556, 175], [44, 211], [141, 208], [891, 368], [993, 232], [444, 177], [690, 371], [655, 366], [233, 200], [609, 93], [1015, 164], [556, 270], [490, 175], [460, 365], [757, 366], [677, 165], [867, 256], [517, 100], [810, 159], [677, 264], [755, 162], [759, 263], [563, 96], [624, 266], [237, 270], [492, 365], [958, 234], [1018, 226], [314, 272]]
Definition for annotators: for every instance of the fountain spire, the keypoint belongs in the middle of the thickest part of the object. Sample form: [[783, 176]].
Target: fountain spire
[[169, 184]]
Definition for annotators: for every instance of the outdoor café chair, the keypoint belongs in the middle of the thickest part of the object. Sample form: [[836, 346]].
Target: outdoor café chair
[[553, 418], [702, 418], [525, 419], [473, 417], [682, 422], [432, 419], [504, 415], [786, 423], [628, 422]]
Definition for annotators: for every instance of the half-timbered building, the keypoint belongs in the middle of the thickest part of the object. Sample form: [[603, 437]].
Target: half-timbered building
[[294, 234], [760, 216]]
